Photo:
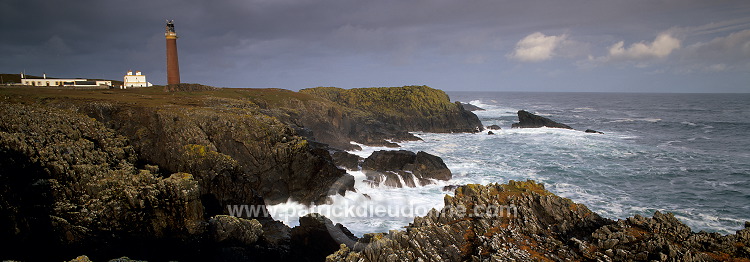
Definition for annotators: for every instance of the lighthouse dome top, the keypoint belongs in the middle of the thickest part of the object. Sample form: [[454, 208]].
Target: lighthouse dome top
[[170, 29]]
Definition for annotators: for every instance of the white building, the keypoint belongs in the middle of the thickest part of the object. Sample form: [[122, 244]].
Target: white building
[[137, 80], [62, 82]]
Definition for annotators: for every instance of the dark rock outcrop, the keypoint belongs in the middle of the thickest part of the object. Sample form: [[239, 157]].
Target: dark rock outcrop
[[490, 133], [520, 221], [494, 127], [529, 120], [320, 237], [593, 131], [392, 167], [471, 107], [347, 160]]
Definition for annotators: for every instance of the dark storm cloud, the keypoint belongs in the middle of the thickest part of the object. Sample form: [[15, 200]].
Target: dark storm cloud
[[302, 43]]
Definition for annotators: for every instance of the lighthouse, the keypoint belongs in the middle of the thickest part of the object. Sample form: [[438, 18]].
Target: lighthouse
[[173, 67]]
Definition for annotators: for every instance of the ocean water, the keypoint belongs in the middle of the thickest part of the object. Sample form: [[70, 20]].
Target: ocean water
[[687, 154]]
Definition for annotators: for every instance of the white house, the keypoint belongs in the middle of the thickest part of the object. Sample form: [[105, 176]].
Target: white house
[[71, 82], [137, 80]]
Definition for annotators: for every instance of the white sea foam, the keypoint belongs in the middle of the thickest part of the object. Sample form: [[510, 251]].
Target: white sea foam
[[367, 150], [492, 110], [688, 123], [620, 120], [583, 109]]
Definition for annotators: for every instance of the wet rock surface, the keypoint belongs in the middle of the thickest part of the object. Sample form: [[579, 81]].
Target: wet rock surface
[[529, 120], [404, 168]]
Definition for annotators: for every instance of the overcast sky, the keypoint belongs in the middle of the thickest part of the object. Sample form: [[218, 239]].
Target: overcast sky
[[482, 45]]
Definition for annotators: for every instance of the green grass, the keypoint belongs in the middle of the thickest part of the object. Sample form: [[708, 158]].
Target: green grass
[[403, 101], [150, 96]]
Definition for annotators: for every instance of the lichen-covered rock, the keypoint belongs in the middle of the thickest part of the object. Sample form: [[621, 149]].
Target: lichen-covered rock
[[239, 231], [662, 237], [392, 167], [529, 120], [521, 221], [69, 182]]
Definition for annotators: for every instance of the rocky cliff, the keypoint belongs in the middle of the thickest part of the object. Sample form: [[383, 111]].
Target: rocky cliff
[[232, 150], [521, 221], [142, 171], [389, 113]]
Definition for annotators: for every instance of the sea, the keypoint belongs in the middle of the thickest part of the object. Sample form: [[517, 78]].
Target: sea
[[687, 154]]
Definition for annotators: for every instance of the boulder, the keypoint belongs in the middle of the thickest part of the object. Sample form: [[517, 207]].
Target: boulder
[[490, 133], [593, 131], [392, 167], [529, 120]]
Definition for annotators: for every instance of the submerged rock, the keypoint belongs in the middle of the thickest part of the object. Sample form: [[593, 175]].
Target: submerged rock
[[529, 120], [392, 167]]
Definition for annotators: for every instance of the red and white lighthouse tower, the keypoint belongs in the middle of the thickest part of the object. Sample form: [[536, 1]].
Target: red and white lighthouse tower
[[173, 67]]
